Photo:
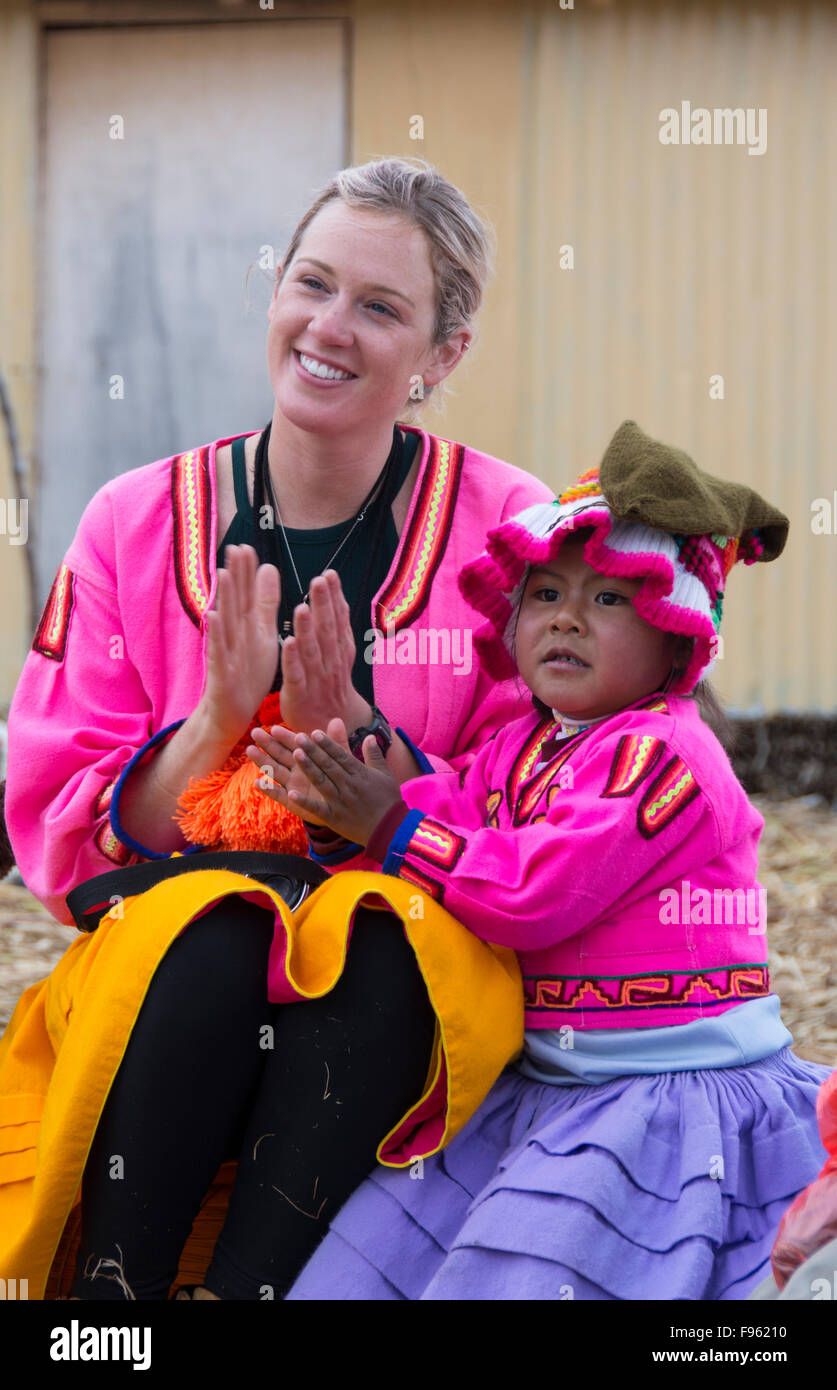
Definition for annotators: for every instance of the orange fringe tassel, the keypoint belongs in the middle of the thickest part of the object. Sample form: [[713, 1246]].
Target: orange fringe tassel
[[226, 810]]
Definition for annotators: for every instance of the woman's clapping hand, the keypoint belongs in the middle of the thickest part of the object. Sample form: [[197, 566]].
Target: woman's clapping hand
[[244, 651], [243, 645], [317, 662]]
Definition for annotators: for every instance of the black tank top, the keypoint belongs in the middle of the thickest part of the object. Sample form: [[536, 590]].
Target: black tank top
[[313, 549]]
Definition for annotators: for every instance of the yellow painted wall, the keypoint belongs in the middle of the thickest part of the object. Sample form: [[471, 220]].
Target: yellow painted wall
[[689, 262], [460, 69]]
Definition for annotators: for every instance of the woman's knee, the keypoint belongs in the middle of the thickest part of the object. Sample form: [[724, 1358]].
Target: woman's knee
[[219, 958]]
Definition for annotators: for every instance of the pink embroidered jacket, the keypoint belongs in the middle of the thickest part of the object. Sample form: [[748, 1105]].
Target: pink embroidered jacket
[[623, 871], [118, 661]]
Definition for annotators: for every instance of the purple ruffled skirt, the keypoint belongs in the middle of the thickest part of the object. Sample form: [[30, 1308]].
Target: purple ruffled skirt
[[669, 1186]]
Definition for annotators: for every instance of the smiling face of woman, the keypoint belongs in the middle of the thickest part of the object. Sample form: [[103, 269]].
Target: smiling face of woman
[[580, 644], [352, 319]]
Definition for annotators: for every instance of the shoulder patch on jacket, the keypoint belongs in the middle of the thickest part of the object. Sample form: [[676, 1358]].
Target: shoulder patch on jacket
[[635, 756], [670, 793], [51, 636]]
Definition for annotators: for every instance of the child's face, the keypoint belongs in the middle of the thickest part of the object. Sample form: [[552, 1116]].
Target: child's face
[[570, 606]]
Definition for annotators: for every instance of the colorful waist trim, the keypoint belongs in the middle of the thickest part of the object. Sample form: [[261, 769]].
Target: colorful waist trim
[[607, 995]]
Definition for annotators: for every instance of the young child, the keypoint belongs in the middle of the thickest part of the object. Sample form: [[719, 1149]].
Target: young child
[[657, 1125]]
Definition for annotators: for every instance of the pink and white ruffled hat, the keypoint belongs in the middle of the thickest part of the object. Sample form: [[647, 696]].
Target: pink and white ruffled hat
[[655, 516]]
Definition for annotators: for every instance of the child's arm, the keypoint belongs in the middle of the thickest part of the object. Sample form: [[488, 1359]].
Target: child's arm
[[361, 804], [533, 886]]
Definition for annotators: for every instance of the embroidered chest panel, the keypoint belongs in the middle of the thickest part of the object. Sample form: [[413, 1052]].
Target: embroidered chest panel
[[405, 595], [637, 756], [523, 790], [192, 514]]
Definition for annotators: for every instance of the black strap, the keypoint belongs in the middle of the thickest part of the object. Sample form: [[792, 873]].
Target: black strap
[[287, 874], [239, 461]]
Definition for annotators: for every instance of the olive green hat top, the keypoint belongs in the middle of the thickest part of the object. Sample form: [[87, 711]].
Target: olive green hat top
[[643, 480]]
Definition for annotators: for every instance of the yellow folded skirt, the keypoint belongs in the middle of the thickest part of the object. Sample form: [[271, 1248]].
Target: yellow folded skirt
[[68, 1034]]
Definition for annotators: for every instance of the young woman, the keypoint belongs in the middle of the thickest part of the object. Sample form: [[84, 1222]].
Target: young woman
[[157, 647]]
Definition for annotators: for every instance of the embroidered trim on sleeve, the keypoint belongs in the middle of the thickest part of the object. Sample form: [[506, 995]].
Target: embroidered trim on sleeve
[[436, 845], [431, 852], [51, 636], [411, 874], [111, 846], [102, 802], [670, 793]]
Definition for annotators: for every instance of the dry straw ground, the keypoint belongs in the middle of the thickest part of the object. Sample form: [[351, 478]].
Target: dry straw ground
[[798, 869]]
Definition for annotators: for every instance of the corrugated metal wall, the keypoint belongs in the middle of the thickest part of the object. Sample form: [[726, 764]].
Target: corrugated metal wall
[[691, 261]]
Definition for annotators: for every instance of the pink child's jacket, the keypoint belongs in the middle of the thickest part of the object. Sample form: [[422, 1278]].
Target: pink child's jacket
[[623, 871], [119, 658]]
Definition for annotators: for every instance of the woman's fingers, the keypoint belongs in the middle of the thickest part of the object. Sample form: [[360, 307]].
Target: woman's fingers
[[337, 731], [239, 573], [254, 582], [323, 623], [298, 801], [345, 639], [287, 779], [293, 671], [305, 632], [268, 596], [225, 623], [302, 802], [246, 591], [279, 747]]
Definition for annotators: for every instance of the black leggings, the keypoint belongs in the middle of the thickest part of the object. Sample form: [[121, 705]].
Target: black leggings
[[301, 1094]]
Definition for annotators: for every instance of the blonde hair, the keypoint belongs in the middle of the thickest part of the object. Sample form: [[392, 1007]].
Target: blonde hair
[[462, 245]]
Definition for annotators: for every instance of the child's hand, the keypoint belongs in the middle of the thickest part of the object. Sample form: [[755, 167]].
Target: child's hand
[[338, 791], [272, 752]]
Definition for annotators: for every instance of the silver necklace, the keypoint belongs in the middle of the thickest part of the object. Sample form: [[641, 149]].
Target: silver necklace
[[364, 507]]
